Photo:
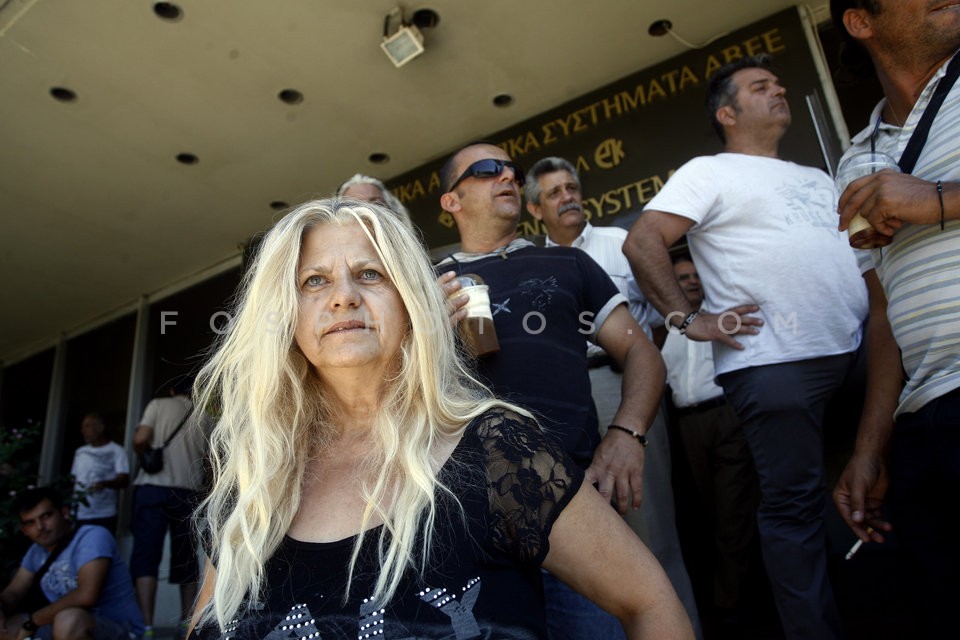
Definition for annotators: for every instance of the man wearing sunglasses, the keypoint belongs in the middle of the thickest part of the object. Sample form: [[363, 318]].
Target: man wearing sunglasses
[[545, 303]]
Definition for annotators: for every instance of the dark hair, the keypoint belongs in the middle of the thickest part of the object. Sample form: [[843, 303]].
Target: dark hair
[[30, 498], [531, 186], [182, 384], [683, 256], [839, 7], [853, 60], [447, 176], [721, 90]]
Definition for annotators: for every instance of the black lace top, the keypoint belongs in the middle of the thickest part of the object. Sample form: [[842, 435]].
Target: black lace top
[[483, 577]]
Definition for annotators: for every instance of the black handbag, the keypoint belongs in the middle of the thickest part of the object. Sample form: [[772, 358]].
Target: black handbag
[[151, 459]]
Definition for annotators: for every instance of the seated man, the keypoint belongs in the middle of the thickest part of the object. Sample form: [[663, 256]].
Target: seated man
[[86, 590]]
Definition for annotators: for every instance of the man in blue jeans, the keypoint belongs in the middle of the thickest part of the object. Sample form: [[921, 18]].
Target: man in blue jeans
[[165, 501]]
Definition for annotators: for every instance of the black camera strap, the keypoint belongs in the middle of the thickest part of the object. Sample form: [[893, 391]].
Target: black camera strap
[[908, 159], [179, 426], [35, 598]]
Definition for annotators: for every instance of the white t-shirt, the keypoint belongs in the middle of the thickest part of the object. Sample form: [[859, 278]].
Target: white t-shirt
[[183, 459], [765, 233], [91, 465]]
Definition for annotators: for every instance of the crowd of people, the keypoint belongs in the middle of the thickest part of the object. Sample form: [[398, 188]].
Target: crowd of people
[[345, 467]]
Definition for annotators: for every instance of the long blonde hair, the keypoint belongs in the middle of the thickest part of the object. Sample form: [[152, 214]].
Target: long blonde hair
[[273, 412]]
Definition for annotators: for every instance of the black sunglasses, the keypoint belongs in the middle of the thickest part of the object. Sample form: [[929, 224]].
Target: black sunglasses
[[489, 168]]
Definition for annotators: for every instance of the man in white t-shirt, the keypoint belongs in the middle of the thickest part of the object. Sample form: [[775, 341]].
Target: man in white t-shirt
[[784, 309], [100, 468]]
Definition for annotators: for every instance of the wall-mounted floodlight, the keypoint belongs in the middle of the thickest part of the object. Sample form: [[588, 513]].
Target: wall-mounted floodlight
[[404, 45]]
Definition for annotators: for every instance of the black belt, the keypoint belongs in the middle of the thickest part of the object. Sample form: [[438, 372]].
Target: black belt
[[700, 407]]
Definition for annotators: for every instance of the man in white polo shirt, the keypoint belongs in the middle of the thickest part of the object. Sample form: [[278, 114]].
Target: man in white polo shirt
[[553, 195], [719, 460]]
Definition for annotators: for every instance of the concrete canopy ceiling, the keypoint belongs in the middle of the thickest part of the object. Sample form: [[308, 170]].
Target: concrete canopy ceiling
[[95, 209]]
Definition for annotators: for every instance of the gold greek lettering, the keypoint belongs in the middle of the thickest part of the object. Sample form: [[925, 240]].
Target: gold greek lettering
[[753, 46], [773, 39], [655, 91], [732, 53], [548, 135], [670, 78], [638, 97], [712, 65], [612, 106], [687, 76]]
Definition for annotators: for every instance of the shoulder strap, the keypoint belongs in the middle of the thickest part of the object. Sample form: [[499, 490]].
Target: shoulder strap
[[57, 550], [179, 426], [919, 138]]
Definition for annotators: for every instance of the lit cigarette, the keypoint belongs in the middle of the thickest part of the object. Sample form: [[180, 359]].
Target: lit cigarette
[[856, 545]]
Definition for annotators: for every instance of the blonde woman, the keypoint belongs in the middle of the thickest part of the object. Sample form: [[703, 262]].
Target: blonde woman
[[365, 484]]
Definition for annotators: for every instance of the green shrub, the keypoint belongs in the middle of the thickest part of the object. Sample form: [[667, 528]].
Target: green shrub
[[19, 461], [19, 468]]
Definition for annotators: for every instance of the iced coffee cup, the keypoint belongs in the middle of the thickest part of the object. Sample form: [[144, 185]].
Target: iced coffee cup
[[862, 234], [476, 330]]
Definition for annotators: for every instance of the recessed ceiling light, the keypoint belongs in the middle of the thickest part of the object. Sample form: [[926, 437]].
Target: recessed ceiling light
[[425, 18], [63, 94], [277, 205], [502, 100], [187, 158], [378, 158], [168, 11], [290, 96], [660, 27]]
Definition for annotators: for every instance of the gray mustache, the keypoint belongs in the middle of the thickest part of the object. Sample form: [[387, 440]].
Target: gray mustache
[[568, 207]]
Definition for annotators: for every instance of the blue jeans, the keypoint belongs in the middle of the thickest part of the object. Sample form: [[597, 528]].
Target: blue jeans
[[570, 616], [155, 509], [103, 629], [109, 523], [781, 408], [922, 500]]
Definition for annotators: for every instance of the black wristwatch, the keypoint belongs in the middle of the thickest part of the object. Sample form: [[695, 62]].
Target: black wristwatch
[[29, 625]]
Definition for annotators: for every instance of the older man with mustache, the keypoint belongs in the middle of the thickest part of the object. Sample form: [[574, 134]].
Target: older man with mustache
[[554, 197]]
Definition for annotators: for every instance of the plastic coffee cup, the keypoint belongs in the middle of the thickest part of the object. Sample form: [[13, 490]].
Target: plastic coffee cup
[[477, 330], [862, 234]]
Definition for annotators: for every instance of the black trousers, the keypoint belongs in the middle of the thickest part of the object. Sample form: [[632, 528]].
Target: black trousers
[[924, 507]]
